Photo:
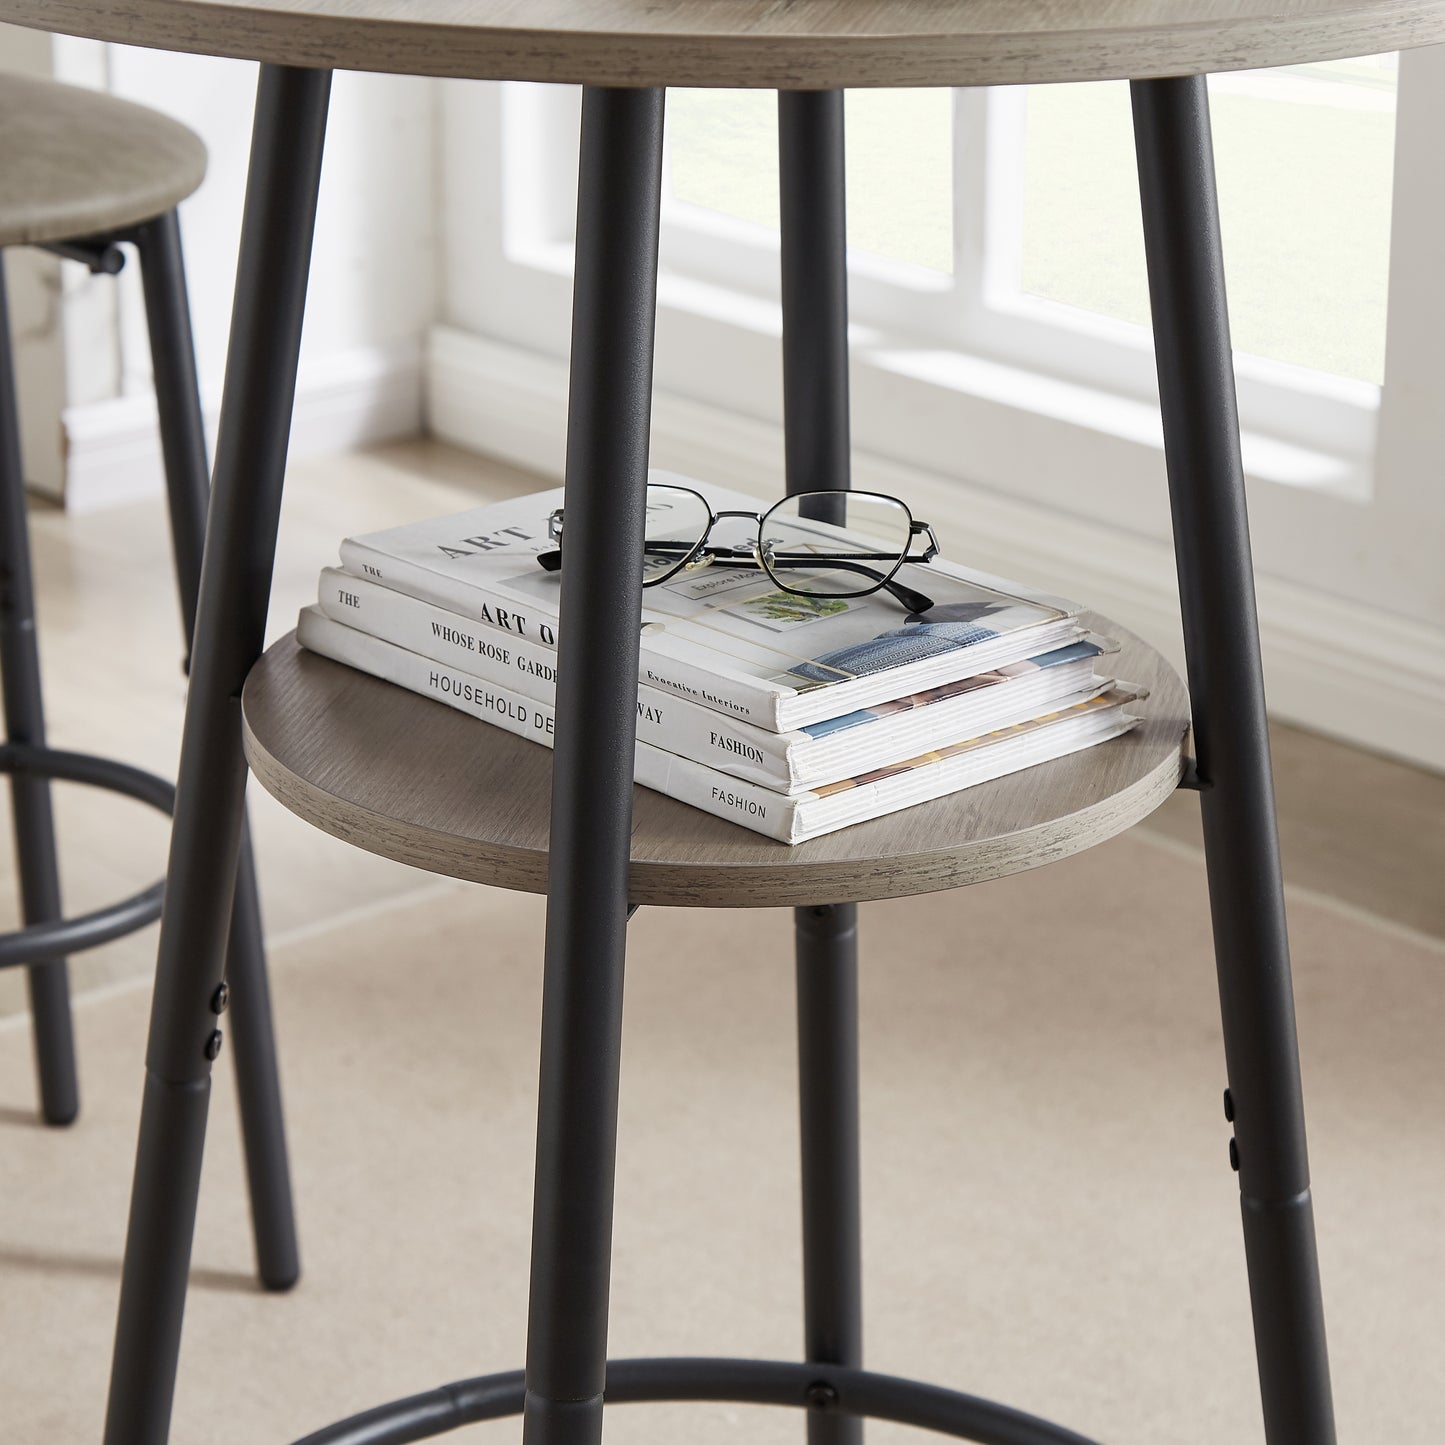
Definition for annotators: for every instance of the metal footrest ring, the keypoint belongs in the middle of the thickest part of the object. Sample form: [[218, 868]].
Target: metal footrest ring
[[748, 1382], [41, 942]]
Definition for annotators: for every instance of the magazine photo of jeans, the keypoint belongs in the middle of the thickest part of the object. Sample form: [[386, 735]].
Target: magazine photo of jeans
[[917, 641]]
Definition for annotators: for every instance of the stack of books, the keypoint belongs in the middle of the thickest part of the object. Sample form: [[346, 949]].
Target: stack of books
[[793, 716]]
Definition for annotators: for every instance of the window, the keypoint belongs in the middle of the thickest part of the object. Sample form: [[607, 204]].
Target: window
[[722, 157], [1005, 225], [1304, 159]]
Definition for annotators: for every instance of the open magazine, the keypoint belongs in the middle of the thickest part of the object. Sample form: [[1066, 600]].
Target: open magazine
[[728, 639]]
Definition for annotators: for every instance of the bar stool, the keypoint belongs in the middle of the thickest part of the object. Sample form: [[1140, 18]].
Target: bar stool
[[84, 174]]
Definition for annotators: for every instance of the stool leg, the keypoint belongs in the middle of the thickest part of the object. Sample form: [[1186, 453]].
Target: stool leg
[[613, 311], [1216, 585], [49, 984], [230, 624], [815, 405], [183, 441]]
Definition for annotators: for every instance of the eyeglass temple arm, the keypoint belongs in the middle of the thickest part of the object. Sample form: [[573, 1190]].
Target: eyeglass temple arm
[[913, 600], [552, 561]]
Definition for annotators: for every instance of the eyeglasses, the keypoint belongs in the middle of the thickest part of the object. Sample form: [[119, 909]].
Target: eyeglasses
[[812, 544]]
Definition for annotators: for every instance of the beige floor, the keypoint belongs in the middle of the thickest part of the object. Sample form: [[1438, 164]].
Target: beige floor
[[1049, 1216]]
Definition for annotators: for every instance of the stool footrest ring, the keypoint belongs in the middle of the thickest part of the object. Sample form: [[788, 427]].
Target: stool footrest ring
[[754, 1382], [41, 942]]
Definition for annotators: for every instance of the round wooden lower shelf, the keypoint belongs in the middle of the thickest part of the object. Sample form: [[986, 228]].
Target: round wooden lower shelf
[[412, 779]]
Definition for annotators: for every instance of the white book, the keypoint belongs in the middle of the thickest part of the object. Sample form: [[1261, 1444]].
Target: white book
[[728, 638], [889, 732], [792, 818]]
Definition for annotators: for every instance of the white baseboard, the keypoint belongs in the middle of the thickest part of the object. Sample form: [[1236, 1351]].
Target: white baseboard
[[113, 453], [1367, 676]]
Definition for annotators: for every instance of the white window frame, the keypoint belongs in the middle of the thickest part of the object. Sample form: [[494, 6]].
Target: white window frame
[[979, 309]]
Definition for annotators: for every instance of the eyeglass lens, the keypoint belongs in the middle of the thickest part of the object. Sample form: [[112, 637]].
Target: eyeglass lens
[[835, 544], [677, 521]]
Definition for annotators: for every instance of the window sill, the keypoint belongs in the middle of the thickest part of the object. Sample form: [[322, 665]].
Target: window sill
[[1108, 414], [953, 377]]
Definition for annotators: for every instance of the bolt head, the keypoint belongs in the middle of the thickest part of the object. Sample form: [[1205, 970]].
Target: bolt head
[[221, 999], [822, 1396], [213, 1044]]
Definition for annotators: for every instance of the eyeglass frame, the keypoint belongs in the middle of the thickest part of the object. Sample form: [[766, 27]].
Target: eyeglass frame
[[908, 597]]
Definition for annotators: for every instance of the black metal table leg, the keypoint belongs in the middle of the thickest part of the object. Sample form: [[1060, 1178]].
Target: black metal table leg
[[183, 442], [1216, 586], [813, 215], [49, 984], [827, 967], [614, 309], [241, 531]]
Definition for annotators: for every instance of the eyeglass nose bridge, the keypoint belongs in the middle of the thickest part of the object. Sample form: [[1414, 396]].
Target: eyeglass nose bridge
[[706, 555]]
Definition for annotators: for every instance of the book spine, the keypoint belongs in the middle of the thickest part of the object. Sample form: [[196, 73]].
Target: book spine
[[730, 696], [663, 719], [734, 799]]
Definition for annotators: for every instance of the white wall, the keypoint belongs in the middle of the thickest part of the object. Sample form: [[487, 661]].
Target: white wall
[[372, 280]]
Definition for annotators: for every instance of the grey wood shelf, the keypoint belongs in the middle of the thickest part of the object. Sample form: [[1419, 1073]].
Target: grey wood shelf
[[415, 780]]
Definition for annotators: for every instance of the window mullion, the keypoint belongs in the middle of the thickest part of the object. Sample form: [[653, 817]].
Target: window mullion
[[971, 222]]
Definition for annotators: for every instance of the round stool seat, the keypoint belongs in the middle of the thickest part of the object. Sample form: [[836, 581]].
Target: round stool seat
[[81, 163]]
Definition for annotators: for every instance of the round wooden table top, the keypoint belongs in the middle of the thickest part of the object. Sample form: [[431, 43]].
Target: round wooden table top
[[801, 44], [415, 780]]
